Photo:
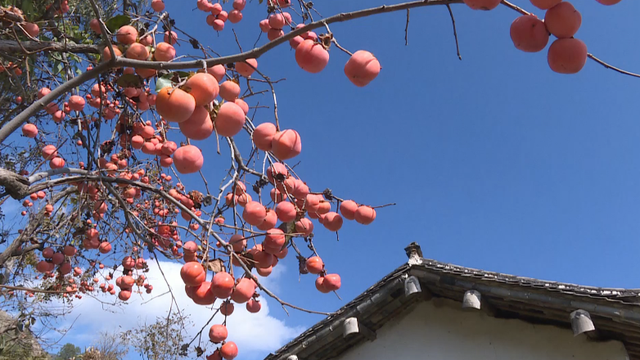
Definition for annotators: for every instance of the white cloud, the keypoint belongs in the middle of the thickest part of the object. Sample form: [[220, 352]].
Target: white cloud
[[255, 334]]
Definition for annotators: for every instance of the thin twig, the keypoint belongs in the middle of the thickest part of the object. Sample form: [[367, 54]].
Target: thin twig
[[455, 33], [21, 288], [257, 52], [515, 7], [103, 30], [592, 57], [406, 29], [382, 206]]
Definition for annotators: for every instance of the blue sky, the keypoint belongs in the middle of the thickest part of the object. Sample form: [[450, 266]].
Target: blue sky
[[495, 162]]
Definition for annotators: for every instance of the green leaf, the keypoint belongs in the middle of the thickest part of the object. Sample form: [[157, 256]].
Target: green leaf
[[27, 8], [182, 74], [162, 83], [116, 22], [129, 80], [57, 67], [74, 57]]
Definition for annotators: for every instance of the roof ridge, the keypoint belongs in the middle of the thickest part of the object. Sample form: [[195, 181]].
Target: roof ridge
[[523, 280]]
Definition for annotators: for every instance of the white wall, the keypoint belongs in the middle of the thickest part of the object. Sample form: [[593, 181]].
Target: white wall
[[442, 331]]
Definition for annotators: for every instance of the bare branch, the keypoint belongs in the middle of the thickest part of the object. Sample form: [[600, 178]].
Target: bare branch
[[15, 185], [257, 52], [592, 57], [38, 105], [22, 288], [455, 32], [31, 227], [406, 28], [10, 15], [103, 30], [11, 46]]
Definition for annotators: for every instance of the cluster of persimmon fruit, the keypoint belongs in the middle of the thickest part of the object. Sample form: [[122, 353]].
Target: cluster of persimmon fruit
[[62, 257], [206, 102], [566, 55], [192, 105]]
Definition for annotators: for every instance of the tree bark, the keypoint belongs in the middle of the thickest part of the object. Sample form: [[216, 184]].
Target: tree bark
[[12, 46], [31, 227], [15, 185]]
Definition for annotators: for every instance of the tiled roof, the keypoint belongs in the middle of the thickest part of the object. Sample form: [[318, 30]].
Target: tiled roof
[[615, 313]]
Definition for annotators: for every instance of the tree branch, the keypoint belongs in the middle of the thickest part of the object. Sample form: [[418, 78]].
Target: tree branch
[[38, 105], [257, 52], [15, 185], [611, 67], [33, 290], [31, 227], [51, 172], [5, 14], [104, 179], [21, 118], [12, 46]]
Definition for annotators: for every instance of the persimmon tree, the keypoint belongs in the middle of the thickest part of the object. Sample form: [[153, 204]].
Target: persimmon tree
[[101, 125]]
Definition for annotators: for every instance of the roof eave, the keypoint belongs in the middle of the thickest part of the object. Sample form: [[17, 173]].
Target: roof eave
[[453, 281]]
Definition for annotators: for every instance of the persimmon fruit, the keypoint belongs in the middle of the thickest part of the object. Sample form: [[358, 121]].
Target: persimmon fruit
[[276, 171], [332, 282], [273, 241], [229, 90], [188, 159], [218, 333], [229, 120], [229, 350], [314, 265], [545, 4], [245, 68], [30, 130], [286, 211], [192, 273], [222, 285], [127, 35], [253, 306], [245, 288], [263, 136], [567, 56], [304, 226], [348, 209], [361, 68], [482, 4], [202, 295], [286, 144], [203, 87], [157, 5], [254, 213], [563, 20], [320, 285], [332, 221], [198, 126], [311, 56], [365, 215], [174, 105], [217, 71], [137, 51], [226, 308], [529, 33], [164, 52]]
